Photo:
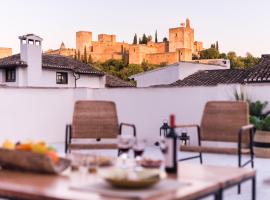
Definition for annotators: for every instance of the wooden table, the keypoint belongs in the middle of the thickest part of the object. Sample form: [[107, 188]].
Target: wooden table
[[203, 181], [226, 176]]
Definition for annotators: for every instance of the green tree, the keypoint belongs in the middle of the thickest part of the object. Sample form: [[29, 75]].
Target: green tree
[[79, 55], [144, 39], [90, 59], [250, 60], [135, 40], [165, 39], [156, 39], [217, 47], [211, 53], [223, 55], [236, 62], [213, 46], [125, 59], [130, 70], [75, 55], [149, 38], [84, 55]]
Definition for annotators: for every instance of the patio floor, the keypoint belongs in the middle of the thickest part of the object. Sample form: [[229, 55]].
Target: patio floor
[[261, 165]]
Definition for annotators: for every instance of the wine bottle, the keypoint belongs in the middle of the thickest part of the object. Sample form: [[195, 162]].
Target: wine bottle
[[171, 144]]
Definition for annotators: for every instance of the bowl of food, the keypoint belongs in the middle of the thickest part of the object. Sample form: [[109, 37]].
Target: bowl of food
[[33, 157], [150, 163], [130, 178]]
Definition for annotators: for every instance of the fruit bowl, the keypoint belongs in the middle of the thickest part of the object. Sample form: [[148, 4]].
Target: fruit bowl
[[31, 161]]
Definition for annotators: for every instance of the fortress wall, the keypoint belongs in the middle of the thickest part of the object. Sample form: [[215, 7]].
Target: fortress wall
[[63, 52], [4, 52], [137, 53], [160, 47], [106, 38], [102, 57], [184, 54], [109, 47], [157, 58], [198, 46]]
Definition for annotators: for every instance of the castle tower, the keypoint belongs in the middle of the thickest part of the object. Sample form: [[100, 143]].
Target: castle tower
[[83, 39], [181, 38], [62, 46], [187, 23]]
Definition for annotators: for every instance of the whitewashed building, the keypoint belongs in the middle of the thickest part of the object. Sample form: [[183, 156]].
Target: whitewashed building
[[177, 71], [31, 68]]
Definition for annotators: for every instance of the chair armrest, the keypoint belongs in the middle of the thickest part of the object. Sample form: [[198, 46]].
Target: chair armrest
[[242, 130], [247, 127], [251, 129], [68, 136], [187, 126], [129, 125]]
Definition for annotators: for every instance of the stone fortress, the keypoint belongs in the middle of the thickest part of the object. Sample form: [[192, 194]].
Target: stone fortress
[[5, 52], [180, 47]]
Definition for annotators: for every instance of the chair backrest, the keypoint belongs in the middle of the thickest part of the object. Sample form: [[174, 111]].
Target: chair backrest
[[95, 119], [222, 121]]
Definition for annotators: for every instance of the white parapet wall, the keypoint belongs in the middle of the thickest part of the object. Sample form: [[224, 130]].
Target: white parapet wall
[[42, 113]]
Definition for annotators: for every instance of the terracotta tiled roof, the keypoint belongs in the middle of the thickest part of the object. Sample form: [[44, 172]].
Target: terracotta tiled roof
[[113, 81], [213, 77], [260, 73], [53, 62]]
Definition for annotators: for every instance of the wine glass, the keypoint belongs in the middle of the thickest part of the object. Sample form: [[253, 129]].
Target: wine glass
[[138, 148], [124, 144]]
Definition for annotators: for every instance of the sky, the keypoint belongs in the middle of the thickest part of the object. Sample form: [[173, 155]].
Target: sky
[[238, 25]]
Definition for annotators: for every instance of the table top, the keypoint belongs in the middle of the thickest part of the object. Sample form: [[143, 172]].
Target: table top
[[225, 176], [202, 180]]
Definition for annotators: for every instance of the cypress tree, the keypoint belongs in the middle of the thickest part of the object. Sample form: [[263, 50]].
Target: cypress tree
[[75, 55], [217, 47], [156, 39], [84, 55], [135, 40], [90, 60], [79, 55], [144, 39]]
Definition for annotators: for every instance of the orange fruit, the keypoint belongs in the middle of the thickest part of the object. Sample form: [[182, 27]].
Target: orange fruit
[[24, 147], [53, 156]]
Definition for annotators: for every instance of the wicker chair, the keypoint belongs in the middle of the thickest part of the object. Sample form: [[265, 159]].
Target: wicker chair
[[96, 120], [225, 121]]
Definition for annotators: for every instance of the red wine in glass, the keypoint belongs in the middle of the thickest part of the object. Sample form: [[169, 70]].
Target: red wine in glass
[[138, 151], [123, 148]]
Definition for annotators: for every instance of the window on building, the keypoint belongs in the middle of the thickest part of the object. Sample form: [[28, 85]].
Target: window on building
[[61, 78], [11, 75]]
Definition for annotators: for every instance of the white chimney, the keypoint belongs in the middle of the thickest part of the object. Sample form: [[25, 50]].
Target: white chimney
[[31, 53]]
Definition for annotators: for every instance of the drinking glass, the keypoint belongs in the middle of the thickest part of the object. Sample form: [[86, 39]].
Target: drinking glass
[[138, 148], [124, 144]]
